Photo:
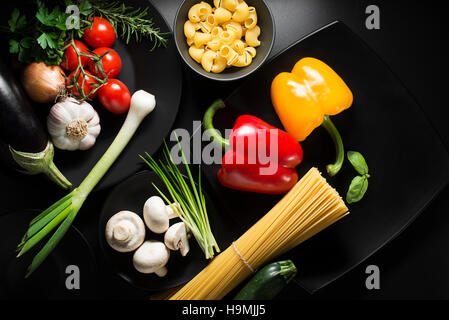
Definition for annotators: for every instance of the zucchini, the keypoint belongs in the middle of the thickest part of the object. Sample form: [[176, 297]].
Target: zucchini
[[268, 282], [22, 132]]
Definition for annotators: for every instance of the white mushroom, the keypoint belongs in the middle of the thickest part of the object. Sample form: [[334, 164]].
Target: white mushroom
[[125, 231], [152, 256], [176, 238], [157, 215], [170, 212]]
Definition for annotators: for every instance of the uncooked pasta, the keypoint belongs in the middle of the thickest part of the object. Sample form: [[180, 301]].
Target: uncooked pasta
[[309, 207]]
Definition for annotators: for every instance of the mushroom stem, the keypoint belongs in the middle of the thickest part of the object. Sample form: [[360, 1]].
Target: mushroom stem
[[120, 233], [161, 272], [170, 212], [125, 231], [176, 238]]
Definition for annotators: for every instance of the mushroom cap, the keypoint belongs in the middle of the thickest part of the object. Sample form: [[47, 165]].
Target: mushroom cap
[[155, 214], [125, 231], [151, 256]]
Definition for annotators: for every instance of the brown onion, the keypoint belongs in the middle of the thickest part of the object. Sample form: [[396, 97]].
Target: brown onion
[[42, 82]]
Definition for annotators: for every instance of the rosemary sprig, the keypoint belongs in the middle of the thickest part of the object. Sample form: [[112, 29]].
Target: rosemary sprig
[[131, 22]]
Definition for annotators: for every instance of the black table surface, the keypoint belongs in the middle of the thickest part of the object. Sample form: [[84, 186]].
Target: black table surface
[[410, 40]]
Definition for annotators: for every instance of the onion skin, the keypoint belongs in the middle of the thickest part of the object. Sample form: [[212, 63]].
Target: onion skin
[[42, 82]]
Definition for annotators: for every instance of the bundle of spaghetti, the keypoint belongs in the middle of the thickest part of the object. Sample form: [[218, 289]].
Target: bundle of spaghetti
[[309, 207]]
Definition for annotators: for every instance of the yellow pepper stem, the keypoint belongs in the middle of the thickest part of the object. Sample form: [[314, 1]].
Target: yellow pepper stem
[[333, 169]]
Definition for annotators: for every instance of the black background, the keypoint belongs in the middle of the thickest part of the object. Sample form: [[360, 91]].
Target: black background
[[415, 265]]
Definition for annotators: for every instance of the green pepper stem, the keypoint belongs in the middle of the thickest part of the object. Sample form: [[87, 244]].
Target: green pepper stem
[[208, 122], [333, 169]]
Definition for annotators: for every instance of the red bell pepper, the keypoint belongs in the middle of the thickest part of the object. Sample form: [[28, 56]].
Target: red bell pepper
[[261, 158]]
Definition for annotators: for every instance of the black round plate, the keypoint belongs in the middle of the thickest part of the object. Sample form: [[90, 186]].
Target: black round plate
[[49, 280], [157, 72], [131, 195]]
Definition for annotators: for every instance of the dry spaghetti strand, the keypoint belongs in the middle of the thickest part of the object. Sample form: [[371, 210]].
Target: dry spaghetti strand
[[309, 207]]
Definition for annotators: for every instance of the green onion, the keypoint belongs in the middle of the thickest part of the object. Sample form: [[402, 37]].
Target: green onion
[[63, 212], [190, 200]]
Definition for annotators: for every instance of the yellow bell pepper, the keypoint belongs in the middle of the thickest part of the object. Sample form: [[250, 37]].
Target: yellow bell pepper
[[304, 99]]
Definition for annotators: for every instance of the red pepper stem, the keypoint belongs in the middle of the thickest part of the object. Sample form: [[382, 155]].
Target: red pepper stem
[[208, 122], [332, 169]]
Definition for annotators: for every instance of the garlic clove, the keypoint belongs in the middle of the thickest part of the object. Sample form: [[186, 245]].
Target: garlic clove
[[86, 112], [94, 130], [87, 142], [95, 120], [57, 120], [72, 107], [65, 143]]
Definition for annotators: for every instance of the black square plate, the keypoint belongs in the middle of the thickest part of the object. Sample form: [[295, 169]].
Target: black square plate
[[408, 163]]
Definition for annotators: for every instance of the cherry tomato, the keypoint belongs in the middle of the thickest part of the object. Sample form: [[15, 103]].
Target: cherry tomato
[[112, 64], [70, 58], [100, 34], [88, 87], [115, 96]]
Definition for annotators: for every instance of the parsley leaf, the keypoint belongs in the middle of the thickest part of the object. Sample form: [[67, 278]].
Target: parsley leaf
[[14, 46], [85, 7], [17, 21], [47, 40]]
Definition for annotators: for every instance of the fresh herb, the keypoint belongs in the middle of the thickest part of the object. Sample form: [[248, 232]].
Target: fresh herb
[[130, 22], [40, 38], [44, 36], [358, 162], [190, 200], [357, 189], [359, 185]]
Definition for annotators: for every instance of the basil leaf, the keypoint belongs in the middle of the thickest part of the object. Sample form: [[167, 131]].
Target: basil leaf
[[357, 189], [358, 162]]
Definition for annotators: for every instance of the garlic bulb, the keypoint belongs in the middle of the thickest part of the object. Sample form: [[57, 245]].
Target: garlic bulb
[[73, 125]]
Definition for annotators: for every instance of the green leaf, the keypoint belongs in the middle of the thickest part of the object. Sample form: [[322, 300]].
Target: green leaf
[[358, 162], [46, 40], [85, 7], [42, 13], [17, 21], [26, 42], [55, 18], [357, 189], [14, 46]]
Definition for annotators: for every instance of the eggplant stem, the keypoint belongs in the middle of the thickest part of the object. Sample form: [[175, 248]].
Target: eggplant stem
[[41, 162], [208, 122], [333, 169]]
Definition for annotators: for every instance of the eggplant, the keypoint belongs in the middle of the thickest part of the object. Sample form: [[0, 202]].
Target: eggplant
[[22, 131]]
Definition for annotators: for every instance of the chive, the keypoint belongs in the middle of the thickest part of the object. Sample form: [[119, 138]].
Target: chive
[[185, 193]]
